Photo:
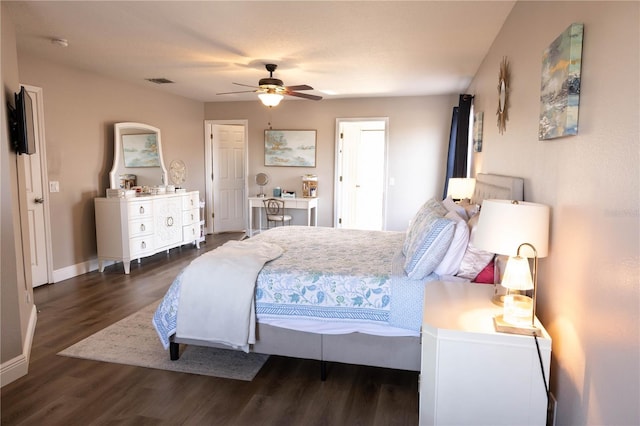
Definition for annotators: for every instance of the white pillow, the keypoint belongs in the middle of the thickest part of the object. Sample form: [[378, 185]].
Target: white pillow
[[451, 262], [452, 206], [474, 259]]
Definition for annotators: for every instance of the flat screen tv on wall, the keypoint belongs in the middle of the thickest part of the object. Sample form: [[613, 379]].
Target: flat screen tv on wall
[[21, 126]]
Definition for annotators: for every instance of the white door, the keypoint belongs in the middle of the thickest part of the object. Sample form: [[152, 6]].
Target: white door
[[228, 173], [33, 183], [361, 173]]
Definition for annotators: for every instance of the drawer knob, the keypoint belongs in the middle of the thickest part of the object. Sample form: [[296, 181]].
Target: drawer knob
[[143, 245], [169, 221], [142, 227], [141, 209]]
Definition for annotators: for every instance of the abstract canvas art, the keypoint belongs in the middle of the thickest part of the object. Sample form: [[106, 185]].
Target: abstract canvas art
[[560, 86], [478, 118]]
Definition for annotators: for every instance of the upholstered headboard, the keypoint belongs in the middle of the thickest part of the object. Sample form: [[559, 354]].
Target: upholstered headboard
[[500, 187]]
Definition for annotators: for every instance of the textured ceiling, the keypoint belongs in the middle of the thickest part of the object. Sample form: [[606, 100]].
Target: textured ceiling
[[343, 49]]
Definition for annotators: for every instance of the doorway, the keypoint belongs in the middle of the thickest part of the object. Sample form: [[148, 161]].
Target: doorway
[[226, 170], [32, 181], [361, 170]]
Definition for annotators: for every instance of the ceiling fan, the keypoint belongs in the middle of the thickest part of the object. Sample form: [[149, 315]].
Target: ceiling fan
[[271, 90]]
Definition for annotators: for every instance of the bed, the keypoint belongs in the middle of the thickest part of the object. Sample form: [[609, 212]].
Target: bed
[[341, 295]]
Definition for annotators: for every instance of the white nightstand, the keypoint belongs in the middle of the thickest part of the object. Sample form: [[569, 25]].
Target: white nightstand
[[471, 374]]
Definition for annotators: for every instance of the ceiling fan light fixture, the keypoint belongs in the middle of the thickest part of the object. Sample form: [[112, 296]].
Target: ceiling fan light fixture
[[270, 99]]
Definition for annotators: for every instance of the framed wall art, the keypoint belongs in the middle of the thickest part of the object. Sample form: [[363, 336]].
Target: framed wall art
[[560, 86], [141, 150], [478, 118], [290, 148]]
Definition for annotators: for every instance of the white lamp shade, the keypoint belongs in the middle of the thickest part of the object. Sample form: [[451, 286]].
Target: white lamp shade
[[461, 188], [517, 275], [504, 225], [270, 99]]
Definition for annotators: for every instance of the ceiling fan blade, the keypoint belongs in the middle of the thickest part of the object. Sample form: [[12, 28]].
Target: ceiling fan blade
[[300, 87], [304, 95], [246, 85], [231, 93]]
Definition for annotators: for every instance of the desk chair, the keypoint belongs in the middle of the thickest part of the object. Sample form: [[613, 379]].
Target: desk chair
[[275, 212]]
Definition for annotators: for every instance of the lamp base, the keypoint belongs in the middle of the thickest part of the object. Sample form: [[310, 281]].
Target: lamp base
[[504, 327]]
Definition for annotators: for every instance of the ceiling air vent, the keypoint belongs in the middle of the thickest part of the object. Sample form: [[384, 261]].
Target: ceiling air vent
[[160, 80]]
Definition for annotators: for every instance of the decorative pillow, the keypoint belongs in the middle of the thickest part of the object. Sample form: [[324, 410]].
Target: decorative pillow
[[474, 259], [429, 242], [432, 206], [452, 206], [486, 276], [451, 262], [470, 208]]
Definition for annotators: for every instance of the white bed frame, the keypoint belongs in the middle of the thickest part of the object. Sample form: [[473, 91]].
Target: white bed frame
[[358, 348]]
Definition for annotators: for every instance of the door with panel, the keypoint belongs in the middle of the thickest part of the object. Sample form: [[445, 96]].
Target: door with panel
[[32, 181], [228, 163]]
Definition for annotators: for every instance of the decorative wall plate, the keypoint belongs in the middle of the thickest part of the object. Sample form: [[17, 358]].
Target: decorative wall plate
[[177, 172]]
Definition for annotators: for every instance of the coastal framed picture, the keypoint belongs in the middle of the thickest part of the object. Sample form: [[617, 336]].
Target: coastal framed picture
[[290, 148]]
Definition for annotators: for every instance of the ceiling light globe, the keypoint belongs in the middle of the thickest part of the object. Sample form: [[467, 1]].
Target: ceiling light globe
[[270, 99]]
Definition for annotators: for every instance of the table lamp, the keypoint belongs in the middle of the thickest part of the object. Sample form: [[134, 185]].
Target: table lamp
[[519, 230], [460, 188]]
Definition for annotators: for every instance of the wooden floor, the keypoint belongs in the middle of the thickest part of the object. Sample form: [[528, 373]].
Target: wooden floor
[[68, 391]]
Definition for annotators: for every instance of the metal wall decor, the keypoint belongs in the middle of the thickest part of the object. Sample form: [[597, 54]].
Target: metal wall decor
[[503, 96]]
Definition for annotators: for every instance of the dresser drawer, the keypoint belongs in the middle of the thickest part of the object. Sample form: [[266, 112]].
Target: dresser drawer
[[137, 209], [140, 246], [190, 216], [141, 227], [191, 201], [190, 232]]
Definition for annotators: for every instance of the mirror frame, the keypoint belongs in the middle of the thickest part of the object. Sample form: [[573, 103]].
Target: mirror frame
[[130, 128]]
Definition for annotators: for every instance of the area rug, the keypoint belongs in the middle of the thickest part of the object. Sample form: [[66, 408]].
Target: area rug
[[133, 341]]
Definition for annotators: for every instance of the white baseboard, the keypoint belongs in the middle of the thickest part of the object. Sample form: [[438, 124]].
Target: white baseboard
[[19, 366], [75, 270]]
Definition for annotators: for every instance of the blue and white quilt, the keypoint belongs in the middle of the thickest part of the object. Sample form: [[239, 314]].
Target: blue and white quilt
[[326, 274]]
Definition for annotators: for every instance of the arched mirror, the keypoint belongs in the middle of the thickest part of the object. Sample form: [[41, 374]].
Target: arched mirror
[[137, 157]]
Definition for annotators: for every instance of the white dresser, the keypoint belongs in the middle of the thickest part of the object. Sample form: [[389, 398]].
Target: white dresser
[[132, 228]]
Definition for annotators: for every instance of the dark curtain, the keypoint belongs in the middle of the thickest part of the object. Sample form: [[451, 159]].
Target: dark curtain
[[451, 156], [458, 141]]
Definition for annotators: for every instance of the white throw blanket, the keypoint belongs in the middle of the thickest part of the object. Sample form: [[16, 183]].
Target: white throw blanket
[[217, 301]]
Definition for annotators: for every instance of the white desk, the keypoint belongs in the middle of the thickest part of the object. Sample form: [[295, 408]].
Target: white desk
[[307, 204]]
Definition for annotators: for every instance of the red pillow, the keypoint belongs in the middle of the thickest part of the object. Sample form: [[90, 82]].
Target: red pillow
[[486, 275]]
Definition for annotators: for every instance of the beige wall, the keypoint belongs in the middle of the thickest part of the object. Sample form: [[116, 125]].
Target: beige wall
[[417, 151], [80, 109], [589, 298]]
